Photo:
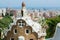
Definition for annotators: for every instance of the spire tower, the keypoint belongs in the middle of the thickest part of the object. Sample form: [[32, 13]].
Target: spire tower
[[23, 10]]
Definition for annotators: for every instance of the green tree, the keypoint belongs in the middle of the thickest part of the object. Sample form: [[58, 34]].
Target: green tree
[[52, 22], [5, 22]]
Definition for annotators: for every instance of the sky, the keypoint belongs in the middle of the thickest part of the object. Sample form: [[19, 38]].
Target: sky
[[30, 3]]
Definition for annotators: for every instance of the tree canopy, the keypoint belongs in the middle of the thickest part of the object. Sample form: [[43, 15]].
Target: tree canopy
[[52, 22], [5, 22]]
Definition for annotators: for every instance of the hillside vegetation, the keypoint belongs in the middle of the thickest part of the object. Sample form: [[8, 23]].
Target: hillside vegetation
[[52, 22]]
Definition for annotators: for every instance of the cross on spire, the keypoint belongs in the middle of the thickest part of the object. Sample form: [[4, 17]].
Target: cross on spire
[[21, 24]]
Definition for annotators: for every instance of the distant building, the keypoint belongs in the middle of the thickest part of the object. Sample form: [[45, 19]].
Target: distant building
[[13, 13], [2, 11]]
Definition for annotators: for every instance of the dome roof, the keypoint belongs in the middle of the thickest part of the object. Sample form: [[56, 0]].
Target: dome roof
[[23, 4]]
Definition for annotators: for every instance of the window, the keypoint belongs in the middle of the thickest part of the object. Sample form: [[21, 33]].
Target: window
[[15, 31], [31, 39], [27, 31], [21, 24], [12, 39]]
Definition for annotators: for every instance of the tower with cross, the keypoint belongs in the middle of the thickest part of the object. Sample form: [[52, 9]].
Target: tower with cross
[[23, 10], [21, 23]]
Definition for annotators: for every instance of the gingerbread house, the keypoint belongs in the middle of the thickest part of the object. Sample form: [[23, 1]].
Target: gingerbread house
[[24, 28]]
